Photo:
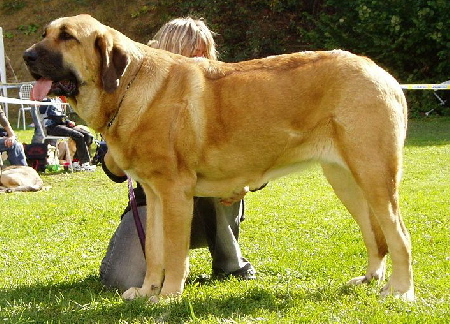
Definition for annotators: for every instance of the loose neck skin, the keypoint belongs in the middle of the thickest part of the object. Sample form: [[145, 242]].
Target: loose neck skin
[[96, 106]]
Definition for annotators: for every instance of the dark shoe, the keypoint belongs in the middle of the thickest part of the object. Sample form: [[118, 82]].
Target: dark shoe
[[245, 273]]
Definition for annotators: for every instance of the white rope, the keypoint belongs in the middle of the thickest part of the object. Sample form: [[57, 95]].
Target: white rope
[[426, 86], [16, 83], [441, 86], [22, 101]]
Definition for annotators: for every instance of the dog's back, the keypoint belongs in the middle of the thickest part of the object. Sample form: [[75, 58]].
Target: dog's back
[[292, 112]]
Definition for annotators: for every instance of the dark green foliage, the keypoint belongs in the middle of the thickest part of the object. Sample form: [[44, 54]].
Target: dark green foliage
[[9, 7], [247, 29], [406, 37]]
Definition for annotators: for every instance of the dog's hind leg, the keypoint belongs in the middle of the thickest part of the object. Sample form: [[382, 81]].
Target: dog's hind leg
[[32, 188], [352, 197], [377, 173], [5, 189], [384, 204]]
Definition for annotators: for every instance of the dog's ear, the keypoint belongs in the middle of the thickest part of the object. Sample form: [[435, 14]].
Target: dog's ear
[[114, 62]]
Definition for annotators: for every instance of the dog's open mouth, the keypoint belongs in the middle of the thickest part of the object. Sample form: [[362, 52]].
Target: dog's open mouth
[[45, 87]]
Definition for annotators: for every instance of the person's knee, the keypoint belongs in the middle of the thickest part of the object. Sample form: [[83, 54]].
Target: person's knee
[[89, 139], [76, 135], [19, 147]]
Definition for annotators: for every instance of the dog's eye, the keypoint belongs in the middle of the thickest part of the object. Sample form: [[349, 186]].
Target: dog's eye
[[65, 36], [44, 34]]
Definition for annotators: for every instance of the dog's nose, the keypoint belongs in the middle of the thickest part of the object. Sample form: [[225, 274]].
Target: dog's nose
[[30, 56]]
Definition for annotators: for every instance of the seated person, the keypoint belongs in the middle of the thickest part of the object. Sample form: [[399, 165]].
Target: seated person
[[9, 142], [38, 136], [214, 225], [57, 124]]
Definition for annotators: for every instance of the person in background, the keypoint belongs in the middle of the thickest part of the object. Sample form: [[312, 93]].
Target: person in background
[[38, 136], [56, 123], [214, 225], [9, 142]]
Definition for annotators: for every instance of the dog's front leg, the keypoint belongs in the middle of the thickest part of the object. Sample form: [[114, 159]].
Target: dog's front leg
[[154, 250], [178, 213], [169, 217]]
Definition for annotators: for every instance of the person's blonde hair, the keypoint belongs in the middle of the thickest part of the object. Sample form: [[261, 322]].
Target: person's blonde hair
[[184, 36]]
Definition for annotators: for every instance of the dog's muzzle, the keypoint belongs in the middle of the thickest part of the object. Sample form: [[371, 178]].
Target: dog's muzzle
[[51, 76]]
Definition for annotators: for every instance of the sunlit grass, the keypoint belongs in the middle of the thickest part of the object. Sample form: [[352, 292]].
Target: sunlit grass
[[303, 243]]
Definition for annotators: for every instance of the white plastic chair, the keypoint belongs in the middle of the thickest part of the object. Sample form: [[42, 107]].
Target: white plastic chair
[[40, 119], [24, 93]]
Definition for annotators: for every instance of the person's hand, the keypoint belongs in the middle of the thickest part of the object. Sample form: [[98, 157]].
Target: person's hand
[[9, 141], [70, 123]]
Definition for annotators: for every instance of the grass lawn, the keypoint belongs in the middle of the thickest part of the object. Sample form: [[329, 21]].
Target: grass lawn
[[303, 243]]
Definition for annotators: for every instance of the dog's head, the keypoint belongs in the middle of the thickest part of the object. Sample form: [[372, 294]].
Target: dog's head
[[75, 52]]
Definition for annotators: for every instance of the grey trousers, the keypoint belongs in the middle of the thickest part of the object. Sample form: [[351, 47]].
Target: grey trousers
[[214, 226]]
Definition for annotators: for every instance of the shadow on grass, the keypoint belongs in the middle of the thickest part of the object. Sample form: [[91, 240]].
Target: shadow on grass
[[428, 131], [87, 301]]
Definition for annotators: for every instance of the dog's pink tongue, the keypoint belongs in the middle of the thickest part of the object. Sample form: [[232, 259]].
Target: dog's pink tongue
[[40, 89]]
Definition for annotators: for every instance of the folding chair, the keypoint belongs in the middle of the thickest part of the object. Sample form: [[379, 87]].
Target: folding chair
[[64, 139], [24, 93], [442, 102]]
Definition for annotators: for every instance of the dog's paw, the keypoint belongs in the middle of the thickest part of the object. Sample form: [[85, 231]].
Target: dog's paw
[[132, 293], [408, 296], [154, 299], [369, 277], [358, 281]]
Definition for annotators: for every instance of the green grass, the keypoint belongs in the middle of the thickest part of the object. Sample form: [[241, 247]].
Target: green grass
[[301, 240]]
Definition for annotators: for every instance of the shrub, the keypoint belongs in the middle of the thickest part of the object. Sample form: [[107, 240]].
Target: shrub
[[407, 38], [9, 7]]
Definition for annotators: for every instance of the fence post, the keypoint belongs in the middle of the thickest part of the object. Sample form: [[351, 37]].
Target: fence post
[[4, 90]]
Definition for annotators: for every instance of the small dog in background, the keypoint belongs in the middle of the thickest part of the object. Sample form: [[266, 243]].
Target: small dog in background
[[62, 152], [19, 178]]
